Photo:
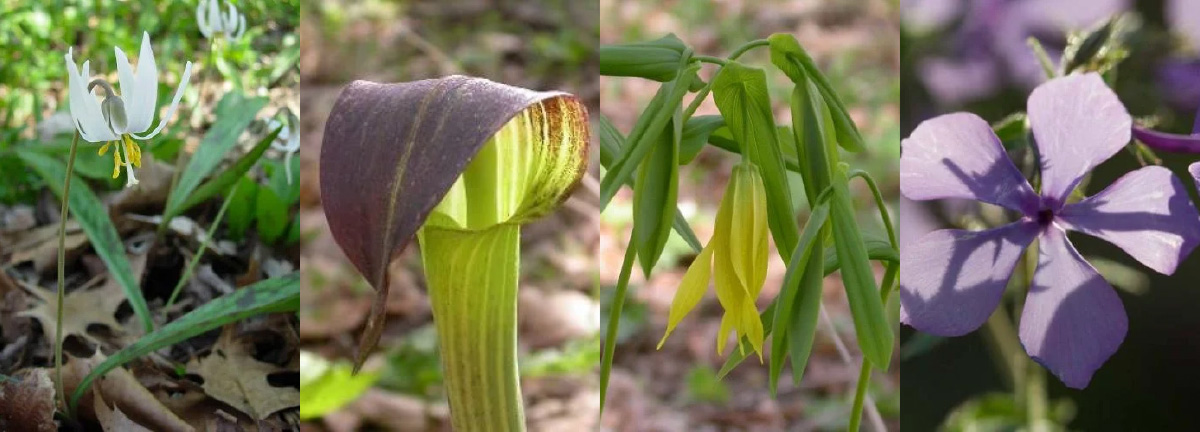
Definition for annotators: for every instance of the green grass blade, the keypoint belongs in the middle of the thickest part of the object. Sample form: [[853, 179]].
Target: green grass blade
[[741, 95], [805, 263], [93, 218], [226, 179], [234, 113], [280, 294]]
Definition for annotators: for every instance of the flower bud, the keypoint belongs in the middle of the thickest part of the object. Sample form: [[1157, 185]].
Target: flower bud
[[657, 60]]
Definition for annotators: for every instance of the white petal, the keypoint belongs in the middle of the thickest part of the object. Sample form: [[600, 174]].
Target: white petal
[[202, 20], [241, 27], [84, 107], [129, 91], [162, 122], [214, 15], [145, 98]]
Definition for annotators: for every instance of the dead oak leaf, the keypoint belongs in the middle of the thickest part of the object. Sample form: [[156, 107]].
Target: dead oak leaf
[[233, 376], [111, 418], [123, 391], [82, 307]]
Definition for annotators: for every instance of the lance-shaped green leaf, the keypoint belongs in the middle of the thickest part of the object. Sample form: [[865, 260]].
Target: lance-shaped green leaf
[[790, 57], [656, 60], [874, 334], [655, 193], [234, 113], [641, 139], [281, 294], [611, 143], [695, 135], [884, 253], [464, 161], [741, 96], [795, 321], [93, 218]]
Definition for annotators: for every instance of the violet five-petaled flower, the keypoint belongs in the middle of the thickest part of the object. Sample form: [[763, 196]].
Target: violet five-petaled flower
[[1072, 321]]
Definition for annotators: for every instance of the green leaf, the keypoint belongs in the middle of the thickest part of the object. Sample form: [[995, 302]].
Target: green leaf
[[271, 214], [645, 131], [241, 207], [790, 57], [655, 194], [656, 60], [695, 135], [801, 291], [878, 249], [93, 218], [741, 95], [234, 113], [276, 295], [326, 386], [611, 143], [883, 253], [226, 179]]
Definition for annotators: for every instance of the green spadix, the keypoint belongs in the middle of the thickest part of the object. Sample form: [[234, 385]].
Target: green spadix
[[461, 163]]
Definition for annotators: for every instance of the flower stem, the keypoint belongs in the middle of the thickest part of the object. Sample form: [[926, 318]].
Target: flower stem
[[1035, 383], [864, 373], [62, 272]]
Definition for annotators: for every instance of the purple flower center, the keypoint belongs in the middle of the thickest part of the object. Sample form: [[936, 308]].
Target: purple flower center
[[1044, 217]]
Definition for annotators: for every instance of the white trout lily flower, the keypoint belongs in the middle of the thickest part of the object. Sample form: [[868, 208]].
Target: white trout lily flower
[[119, 119], [211, 20], [287, 142]]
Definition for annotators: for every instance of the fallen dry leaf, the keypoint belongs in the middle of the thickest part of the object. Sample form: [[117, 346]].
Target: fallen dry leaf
[[40, 246], [232, 375], [27, 402], [83, 307], [124, 391], [111, 418]]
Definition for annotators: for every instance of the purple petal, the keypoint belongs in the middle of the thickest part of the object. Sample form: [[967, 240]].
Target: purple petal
[[1078, 123], [1147, 212], [958, 156], [953, 279], [1073, 320], [1167, 141], [1180, 81], [1184, 17]]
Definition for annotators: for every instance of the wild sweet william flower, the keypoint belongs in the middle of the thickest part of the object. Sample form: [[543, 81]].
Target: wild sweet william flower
[[738, 254], [120, 118], [1072, 320], [210, 19]]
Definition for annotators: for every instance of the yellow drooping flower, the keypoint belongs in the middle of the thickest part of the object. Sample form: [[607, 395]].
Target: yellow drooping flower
[[736, 257]]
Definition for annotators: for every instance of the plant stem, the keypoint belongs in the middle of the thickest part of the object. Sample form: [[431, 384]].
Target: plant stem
[[703, 93], [62, 273], [473, 278], [1035, 385], [191, 267], [864, 373]]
